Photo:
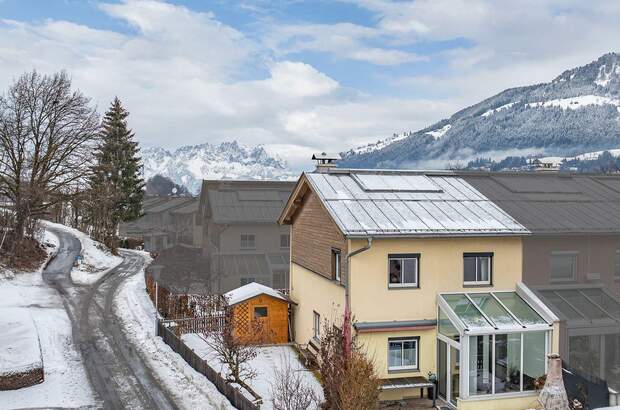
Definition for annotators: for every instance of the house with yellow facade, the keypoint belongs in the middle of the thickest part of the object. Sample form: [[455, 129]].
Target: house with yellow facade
[[431, 271]]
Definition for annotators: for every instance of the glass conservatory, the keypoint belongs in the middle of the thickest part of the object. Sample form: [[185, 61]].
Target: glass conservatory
[[491, 343]]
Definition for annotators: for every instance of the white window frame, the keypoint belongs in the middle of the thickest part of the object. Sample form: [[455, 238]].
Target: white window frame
[[316, 325], [402, 258], [337, 255], [247, 235], [402, 341], [477, 282], [573, 278]]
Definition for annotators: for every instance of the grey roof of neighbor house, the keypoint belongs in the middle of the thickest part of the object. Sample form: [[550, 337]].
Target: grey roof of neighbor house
[[554, 203], [169, 204], [408, 203], [235, 202]]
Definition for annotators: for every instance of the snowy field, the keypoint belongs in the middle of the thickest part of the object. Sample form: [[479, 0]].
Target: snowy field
[[268, 359], [96, 261], [189, 389], [66, 384]]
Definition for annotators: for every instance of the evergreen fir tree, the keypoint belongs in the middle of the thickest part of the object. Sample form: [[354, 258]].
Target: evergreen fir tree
[[116, 182]]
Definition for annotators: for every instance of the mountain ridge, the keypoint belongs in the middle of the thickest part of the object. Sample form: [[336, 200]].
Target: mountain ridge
[[188, 165], [579, 110]]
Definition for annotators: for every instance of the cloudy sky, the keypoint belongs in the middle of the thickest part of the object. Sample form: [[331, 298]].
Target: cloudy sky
[[299, 76]]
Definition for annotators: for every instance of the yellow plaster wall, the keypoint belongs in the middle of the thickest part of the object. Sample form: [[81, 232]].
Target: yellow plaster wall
[[500, 403], [313, 292], [376, 346], [440, 270]]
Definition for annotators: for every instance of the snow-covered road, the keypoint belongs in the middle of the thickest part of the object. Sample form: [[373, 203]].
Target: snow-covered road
[[117, 374]]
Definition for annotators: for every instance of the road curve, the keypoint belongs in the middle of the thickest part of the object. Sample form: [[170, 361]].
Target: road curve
[[116, 372]]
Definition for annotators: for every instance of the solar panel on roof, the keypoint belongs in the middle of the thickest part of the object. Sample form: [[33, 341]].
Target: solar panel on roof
[[395, 183]]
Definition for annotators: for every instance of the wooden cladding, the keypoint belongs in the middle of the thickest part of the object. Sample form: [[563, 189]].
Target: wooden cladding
[[314, 237]]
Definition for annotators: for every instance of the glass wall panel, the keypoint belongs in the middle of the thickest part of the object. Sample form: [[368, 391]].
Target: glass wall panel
[[442, 371], [584, 354], [480, 357], [612, 357], [494, 310], [507, 363], [519, 308], [533, 358], [467, 312], [454, 374], [446, 327]]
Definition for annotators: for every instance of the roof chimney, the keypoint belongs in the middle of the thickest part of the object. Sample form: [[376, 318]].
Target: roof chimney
[[325, 161]]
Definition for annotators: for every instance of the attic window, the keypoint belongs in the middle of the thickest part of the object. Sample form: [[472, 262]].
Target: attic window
[[395, 183]]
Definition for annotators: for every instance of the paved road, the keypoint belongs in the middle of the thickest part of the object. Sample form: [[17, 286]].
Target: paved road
[[116, 372]]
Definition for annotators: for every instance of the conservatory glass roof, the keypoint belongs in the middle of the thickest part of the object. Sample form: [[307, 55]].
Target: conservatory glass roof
[[582, 304], [490, 312]]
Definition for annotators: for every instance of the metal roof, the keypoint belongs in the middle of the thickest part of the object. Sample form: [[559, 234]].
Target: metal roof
[[246, 201], [554, 203], [169, 204], [403, 203]]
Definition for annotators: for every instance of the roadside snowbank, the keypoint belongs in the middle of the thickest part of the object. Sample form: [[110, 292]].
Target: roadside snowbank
[[269, 358], [66, 383], [19, 342], [97, 260], [136, 313]]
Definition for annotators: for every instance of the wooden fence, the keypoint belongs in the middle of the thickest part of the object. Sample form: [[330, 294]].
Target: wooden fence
[[198, 324], [233, 394]]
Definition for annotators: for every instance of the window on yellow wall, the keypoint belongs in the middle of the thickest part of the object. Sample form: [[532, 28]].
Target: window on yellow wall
[[477, 268], [403, 270], [403, 353], [316, 325]]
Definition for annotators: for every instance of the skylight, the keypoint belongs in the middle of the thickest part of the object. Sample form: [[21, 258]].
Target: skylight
[[395, 183]]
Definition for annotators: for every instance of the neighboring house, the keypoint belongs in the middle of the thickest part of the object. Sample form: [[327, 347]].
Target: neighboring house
[[432, 272], [571, 258], [264, 306], [166, 222], [240, 234]]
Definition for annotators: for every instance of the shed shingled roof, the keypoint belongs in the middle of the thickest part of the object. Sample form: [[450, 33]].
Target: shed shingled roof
[[554, 203], [408, 203]]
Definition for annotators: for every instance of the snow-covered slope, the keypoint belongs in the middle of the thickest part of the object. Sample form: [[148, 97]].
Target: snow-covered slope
[[190, 164], [579, 111]]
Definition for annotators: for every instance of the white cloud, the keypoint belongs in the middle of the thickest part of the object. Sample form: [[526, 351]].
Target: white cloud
[[300, 80], [343, 40]]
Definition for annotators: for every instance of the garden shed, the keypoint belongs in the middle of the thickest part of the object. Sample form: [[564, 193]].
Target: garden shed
[[260, 303]]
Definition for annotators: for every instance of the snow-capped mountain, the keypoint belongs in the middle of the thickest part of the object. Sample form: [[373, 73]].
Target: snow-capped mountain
[[190, 164], [578, 111]]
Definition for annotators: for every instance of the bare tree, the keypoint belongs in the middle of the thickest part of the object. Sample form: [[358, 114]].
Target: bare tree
[[289, 390], [236, 349], [348, 376], [46, 135]]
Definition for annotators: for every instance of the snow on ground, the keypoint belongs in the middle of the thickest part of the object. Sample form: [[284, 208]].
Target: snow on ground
[[498, 109], [587, 156], [436, 134], [96, 259], [66, 383], [188, 388], [574, 103], [268, 359], [19, 342]]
